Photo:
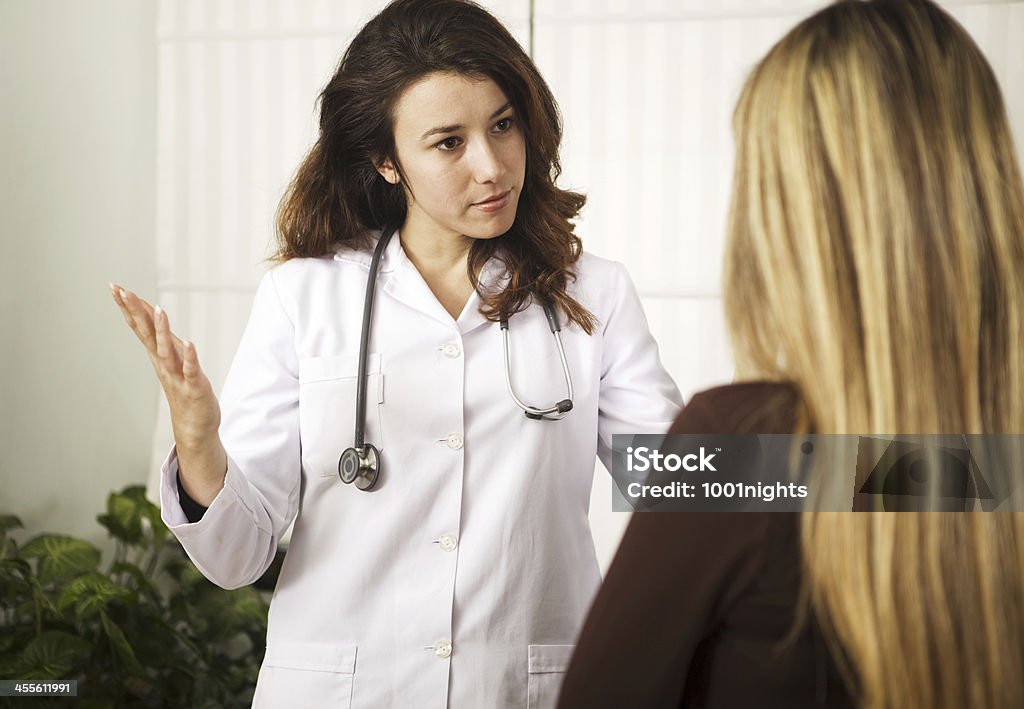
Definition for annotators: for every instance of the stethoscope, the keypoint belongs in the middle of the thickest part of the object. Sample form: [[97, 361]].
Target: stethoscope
[[360, 464]]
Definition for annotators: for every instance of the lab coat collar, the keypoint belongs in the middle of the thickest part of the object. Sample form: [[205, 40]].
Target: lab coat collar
[[494, 276], [402, 280], [363, 257]]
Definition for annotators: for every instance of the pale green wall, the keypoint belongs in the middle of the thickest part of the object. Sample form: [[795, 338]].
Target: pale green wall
[[77, 185]]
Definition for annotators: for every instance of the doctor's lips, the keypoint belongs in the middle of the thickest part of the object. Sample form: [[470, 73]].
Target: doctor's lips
[[493, 204]]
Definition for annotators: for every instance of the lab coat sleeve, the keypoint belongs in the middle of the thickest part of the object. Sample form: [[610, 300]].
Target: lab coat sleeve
[[235, 541], [637, 395]]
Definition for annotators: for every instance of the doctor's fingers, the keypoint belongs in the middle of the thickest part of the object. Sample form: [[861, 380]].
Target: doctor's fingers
[[178, 353], [140, 317], [174, 359], [190, 365], [167, 351]]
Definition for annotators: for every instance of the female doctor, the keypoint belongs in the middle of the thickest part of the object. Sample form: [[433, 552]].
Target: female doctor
[[441, 554]]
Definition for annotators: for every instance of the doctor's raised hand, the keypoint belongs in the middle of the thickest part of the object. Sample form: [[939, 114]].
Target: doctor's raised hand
[[195, 412]]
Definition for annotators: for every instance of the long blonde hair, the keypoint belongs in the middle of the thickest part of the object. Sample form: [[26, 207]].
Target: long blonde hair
[[875, 259]]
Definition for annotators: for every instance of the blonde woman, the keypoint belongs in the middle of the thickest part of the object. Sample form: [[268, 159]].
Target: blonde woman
[[874, 284]]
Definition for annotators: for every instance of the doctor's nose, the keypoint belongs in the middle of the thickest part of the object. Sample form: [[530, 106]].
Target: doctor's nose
[[487, 163]]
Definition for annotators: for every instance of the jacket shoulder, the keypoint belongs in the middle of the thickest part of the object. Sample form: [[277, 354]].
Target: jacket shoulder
[[591, 266], [298, 267], [600, 284], [299, 274], [747, 407]]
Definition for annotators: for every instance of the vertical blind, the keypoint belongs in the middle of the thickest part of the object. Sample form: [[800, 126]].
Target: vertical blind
[[646, 88]]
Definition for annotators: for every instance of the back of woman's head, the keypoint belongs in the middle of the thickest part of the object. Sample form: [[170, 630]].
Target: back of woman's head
[[876, 260], [876, 245]]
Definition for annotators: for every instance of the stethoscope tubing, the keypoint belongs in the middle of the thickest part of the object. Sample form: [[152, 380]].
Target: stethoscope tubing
[[364, 336], [360, 464], [560, 409]]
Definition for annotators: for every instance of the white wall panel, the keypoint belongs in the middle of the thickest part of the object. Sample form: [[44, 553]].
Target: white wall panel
[[646, 88], [236, 104]]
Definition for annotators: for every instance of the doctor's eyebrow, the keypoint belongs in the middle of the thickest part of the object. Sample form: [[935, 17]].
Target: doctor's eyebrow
[[452, 129]]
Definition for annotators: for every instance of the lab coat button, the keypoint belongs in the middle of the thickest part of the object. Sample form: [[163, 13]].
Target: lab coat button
[[443, 648], [448, 542], [454, 441], [451, 350]]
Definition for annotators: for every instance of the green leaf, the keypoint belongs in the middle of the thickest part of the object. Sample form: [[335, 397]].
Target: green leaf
[[16, 583], [8, 522], [122, 647], [157, 527], [14, 638], [8, 547], [90, 593], [133, 519], [11, 569], [52, 655], [61, 557], [121, 520], [189, 579], [135, 492], [155, 643], [134, 636], [148, 512], [178, 567], [142, 582], [103, 702], [220, 615]]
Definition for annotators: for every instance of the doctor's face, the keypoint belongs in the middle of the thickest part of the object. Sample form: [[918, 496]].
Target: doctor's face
[[463, 156]]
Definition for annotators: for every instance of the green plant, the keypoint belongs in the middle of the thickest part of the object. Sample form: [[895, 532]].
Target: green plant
[[147, 631]]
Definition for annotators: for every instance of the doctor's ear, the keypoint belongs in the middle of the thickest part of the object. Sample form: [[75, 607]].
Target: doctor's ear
[[387, 170]]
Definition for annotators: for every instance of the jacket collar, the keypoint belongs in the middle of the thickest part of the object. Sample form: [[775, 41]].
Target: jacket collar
[[400, 278], [362, 257]]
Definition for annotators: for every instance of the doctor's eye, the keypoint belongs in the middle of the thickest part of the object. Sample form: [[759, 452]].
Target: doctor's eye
[[448, 144]]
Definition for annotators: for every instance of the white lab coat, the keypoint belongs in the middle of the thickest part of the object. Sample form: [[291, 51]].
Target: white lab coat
[[461, 581]]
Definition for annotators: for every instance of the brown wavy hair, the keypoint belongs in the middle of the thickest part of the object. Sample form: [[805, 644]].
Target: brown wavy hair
[[338, 197]]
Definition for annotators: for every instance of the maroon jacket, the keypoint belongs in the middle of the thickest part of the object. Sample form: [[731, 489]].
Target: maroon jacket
[[697, 609]]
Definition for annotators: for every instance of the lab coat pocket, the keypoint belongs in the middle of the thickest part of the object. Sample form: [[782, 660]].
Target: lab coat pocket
[[327, 404], [306, 675], [546, 668]]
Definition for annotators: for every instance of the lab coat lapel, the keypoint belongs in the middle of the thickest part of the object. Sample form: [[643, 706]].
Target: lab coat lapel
[[398, 277], [405, 284], [493, 278], [470, 318], [402, 280]]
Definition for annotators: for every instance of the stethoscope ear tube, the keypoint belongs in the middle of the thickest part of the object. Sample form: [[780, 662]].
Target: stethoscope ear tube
[[552, 316], [360, 464], [559, 410]]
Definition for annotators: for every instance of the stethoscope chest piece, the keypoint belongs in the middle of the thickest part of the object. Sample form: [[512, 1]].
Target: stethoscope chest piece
[[360, 466]]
